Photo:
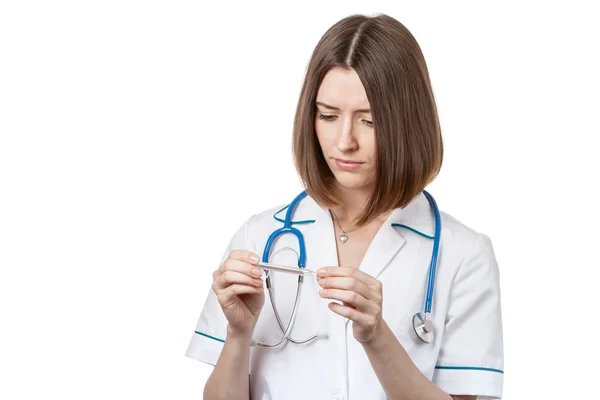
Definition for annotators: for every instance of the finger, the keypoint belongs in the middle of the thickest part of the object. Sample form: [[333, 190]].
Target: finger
[[245, 255], [232, 264], [349, 298], [352, 314], [229, 295], [230, 277], [347, 271], [347, 283]]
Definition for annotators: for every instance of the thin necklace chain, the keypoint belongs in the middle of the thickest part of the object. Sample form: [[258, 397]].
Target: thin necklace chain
[[338, 223]]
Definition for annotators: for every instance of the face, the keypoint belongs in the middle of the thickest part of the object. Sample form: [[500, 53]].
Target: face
[[345, 129]]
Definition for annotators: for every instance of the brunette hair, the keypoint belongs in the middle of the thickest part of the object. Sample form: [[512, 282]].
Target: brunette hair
[[392, 69]]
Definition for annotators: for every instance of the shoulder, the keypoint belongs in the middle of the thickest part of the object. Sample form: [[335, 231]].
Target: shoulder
[[259, 225], [266, 219], [463, 244], [419, 214], [254, 225], [457, 232]]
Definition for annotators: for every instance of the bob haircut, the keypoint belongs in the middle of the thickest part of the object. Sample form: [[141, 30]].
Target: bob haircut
[[408, 140]]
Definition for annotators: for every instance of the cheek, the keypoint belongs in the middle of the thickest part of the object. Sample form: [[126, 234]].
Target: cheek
[[369, 146], [322, 137]]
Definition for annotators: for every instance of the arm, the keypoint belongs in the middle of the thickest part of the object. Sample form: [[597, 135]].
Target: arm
[[230, 377], [241, 295], [362, 298], [398, 375]]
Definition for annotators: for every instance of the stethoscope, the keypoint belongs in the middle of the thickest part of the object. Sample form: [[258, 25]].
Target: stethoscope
[[422, 324]]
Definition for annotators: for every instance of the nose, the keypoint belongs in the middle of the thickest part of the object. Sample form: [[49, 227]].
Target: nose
[[346, 141]]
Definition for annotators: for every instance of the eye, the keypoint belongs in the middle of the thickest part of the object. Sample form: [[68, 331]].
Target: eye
[[326, 117], [332, 117]]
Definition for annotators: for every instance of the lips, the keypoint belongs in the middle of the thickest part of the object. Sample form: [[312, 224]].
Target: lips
[[348, 165], [348, 161]]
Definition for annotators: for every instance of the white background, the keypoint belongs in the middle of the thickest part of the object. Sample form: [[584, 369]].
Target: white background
[[137, 136]]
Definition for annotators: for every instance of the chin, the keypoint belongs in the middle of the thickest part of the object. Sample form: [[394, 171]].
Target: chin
[[352, 183]]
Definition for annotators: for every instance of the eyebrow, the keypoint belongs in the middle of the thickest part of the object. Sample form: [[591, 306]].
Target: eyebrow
[[362, 110]]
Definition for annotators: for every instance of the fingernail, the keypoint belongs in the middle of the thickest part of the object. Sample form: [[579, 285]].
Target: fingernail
[[258, 282], [254, 258], [321, 272], [323, 292], [256, 272]]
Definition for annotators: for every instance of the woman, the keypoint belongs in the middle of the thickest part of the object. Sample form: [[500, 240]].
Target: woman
[[366, 143]]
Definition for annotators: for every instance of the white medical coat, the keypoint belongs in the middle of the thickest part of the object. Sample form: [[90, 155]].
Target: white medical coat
[[466, 356]]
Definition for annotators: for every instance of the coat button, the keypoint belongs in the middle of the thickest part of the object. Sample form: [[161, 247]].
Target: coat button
[[338, 396]]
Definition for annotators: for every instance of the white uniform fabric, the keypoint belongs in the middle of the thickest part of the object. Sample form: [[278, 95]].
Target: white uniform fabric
[[466, 357]]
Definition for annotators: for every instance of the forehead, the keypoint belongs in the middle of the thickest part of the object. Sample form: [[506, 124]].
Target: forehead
[[342, 88]]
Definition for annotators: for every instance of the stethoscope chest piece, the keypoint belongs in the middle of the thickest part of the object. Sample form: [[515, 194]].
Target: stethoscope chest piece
[[423, 328]]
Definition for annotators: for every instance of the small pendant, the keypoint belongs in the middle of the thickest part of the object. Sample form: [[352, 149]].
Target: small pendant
[[343, 238]]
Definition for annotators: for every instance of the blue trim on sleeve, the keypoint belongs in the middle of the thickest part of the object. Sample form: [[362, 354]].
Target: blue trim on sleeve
[[210, 337], [414, 230], [470, 368], [308, 221]]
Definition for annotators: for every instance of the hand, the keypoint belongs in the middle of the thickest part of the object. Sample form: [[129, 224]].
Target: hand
[[361, 295], [240, 290]]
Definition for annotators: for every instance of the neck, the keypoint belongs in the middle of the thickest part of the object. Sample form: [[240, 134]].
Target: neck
[[353, 202]]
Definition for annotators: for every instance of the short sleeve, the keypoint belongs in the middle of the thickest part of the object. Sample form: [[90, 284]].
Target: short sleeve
[[209, 336], [471, 359]]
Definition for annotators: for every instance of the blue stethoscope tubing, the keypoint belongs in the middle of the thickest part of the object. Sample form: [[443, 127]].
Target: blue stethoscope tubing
[[434, 253], [287, 227], [421, 323]]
